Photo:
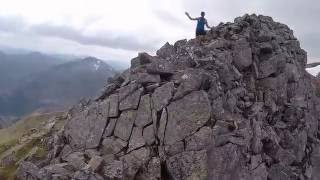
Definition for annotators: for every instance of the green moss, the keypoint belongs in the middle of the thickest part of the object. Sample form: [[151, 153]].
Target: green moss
[[22, 152], [7, 145], [9, 139], [8, 172]]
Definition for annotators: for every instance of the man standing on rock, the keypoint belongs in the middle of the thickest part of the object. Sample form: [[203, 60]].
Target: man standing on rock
[[200, 31]]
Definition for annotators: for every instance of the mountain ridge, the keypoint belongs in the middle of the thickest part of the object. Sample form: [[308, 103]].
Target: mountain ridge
[[236, 105]]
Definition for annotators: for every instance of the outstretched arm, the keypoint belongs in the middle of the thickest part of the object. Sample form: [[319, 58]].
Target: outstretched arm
[[190, 17], [207, 25]]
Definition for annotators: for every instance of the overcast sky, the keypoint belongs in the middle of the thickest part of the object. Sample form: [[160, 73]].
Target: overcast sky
[[119, 29]]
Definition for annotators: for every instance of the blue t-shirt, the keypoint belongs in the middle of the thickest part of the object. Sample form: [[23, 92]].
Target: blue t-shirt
[[201, 23]]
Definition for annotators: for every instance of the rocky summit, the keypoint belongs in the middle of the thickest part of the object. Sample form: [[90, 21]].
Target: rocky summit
[[236, 104]]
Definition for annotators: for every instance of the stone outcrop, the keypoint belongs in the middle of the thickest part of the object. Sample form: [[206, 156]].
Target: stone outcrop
[[237, 105]]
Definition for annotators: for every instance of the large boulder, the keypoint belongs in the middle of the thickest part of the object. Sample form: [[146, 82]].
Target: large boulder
[[86, 128], [186, 116]]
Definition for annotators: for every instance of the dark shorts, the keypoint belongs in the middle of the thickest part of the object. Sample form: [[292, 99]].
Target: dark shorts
[[200, 33]]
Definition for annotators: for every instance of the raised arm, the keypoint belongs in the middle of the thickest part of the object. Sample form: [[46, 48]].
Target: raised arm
[[194, 19]]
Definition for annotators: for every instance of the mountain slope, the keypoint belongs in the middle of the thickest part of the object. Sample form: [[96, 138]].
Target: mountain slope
[[22, 139], [237, 105], [58, 86]]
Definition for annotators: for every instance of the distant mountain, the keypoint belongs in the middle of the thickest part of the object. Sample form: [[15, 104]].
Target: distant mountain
[[11, 50], [14, 67], [56, 86], [313, 69], [119, 65]]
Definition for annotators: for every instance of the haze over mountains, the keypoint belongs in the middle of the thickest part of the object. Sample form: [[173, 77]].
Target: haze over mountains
[[29, 81]]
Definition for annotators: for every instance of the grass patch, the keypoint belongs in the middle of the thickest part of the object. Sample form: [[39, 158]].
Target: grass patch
[[10, 140], [7, 145], [22, 152], [8, 173], [24, 125]]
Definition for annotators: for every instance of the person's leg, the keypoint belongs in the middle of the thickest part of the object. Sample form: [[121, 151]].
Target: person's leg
[[198, 37], [197, 34]]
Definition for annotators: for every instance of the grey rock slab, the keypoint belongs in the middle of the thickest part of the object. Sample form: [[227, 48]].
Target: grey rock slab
[[162, 96], [112, 145], [136, 140], [292, 72], [59, 169], [161, 67], [174, 149], [148, 135], [256, 144], [131, 101], [85, 129], [187, 115], [77, 160], [162, 126], [90, 153], [271, 66], [76, 130], [86, 174], [218, 112], [114, 170], [104, 108], [124, 125], [151, 87], [280, 172], [95, 163], [225, 162], [28, 170], [96, 129], [218, 44], [110, 127], [166, 50], [192, 80], [127, 90], [152, 171], [200, 140], [142, 59], [146, 78], [242, 56], [259, 173], [113, 105], [65, 151], [144, 114], [188, 165], [134, 161]]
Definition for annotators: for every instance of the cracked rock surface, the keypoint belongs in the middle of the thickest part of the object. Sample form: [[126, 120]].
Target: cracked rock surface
[[237, 106]]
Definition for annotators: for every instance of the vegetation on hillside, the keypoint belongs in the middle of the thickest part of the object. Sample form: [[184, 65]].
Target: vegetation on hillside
[[25, 140]]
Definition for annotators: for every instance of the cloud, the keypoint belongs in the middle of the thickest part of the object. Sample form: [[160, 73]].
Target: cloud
[[169, 18], [105, 39], [11, 23], [109, 39]]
